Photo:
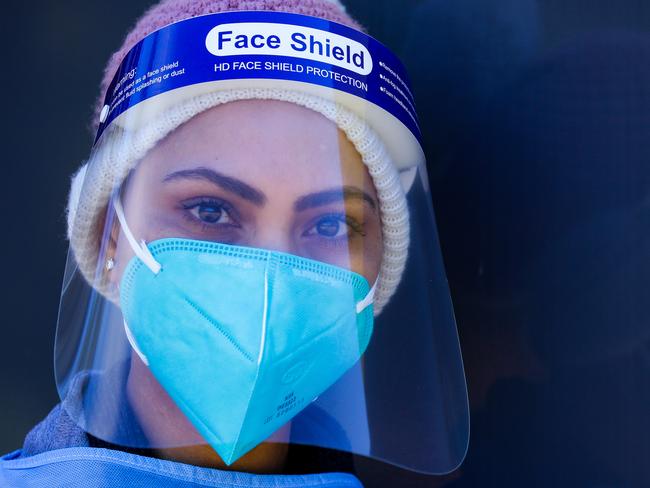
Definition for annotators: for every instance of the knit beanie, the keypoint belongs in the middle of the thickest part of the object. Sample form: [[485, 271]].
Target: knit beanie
[[112, 161]]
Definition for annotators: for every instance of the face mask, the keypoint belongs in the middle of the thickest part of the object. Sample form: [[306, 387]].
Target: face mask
[[242, 339]]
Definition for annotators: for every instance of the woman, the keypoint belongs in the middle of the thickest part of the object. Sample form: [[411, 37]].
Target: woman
[[238, 235]]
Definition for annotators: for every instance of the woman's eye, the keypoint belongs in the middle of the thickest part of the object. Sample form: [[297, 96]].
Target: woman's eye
[[211, 213], [330, 227]]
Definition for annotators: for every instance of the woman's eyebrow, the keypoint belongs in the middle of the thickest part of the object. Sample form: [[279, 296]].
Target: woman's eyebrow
[[331, 196], [227, 183]]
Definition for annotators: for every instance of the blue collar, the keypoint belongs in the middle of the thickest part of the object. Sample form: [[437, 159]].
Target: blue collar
[[82, 467]]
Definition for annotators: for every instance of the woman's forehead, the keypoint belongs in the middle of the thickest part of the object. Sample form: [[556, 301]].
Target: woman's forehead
[[265, 141]]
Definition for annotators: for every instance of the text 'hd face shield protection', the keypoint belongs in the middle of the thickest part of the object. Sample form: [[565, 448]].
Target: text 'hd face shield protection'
[[254, 257]]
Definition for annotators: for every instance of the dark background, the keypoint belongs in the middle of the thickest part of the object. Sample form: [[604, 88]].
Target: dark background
[[536, 117]]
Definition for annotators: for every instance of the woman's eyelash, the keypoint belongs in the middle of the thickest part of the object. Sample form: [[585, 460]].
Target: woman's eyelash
[[356, 226], [217, 204], [345, 219], [194, 202]]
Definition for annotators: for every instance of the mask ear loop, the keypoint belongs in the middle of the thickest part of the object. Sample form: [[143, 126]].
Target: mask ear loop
[[369, 299], [141, 250]]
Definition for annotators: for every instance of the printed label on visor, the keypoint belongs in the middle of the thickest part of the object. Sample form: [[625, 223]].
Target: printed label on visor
[[261, 45], [288, 40]]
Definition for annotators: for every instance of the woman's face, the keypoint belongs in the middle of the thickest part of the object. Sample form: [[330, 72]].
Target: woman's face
[[259, 173], [264, 174]]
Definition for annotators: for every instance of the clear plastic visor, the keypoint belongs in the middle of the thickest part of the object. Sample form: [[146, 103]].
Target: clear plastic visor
[[255, 272]]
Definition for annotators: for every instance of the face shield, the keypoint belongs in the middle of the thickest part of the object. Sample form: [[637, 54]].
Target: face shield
[[254, 258]]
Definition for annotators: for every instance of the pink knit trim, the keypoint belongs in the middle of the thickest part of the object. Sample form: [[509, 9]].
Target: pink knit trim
[[170, 11]]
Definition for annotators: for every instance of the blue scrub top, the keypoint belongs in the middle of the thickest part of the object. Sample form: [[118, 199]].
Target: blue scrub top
[[84, 467]]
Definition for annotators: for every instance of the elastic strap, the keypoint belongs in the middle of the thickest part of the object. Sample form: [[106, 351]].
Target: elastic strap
[[134, 345], [141, 250], [369, 299]]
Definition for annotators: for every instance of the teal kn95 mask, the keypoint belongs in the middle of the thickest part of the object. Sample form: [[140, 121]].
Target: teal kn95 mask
[[242, 339]]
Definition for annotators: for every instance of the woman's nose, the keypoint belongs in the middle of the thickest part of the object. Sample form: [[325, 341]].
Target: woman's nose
[[273, 239]]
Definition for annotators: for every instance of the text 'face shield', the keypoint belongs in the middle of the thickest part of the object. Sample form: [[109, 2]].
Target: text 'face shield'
[[254, 259]]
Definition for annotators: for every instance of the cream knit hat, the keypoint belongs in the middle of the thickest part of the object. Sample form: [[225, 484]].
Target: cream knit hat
[[120, 149]]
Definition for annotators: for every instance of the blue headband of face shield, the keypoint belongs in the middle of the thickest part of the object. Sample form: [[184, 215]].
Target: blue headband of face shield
[[242, 339]]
